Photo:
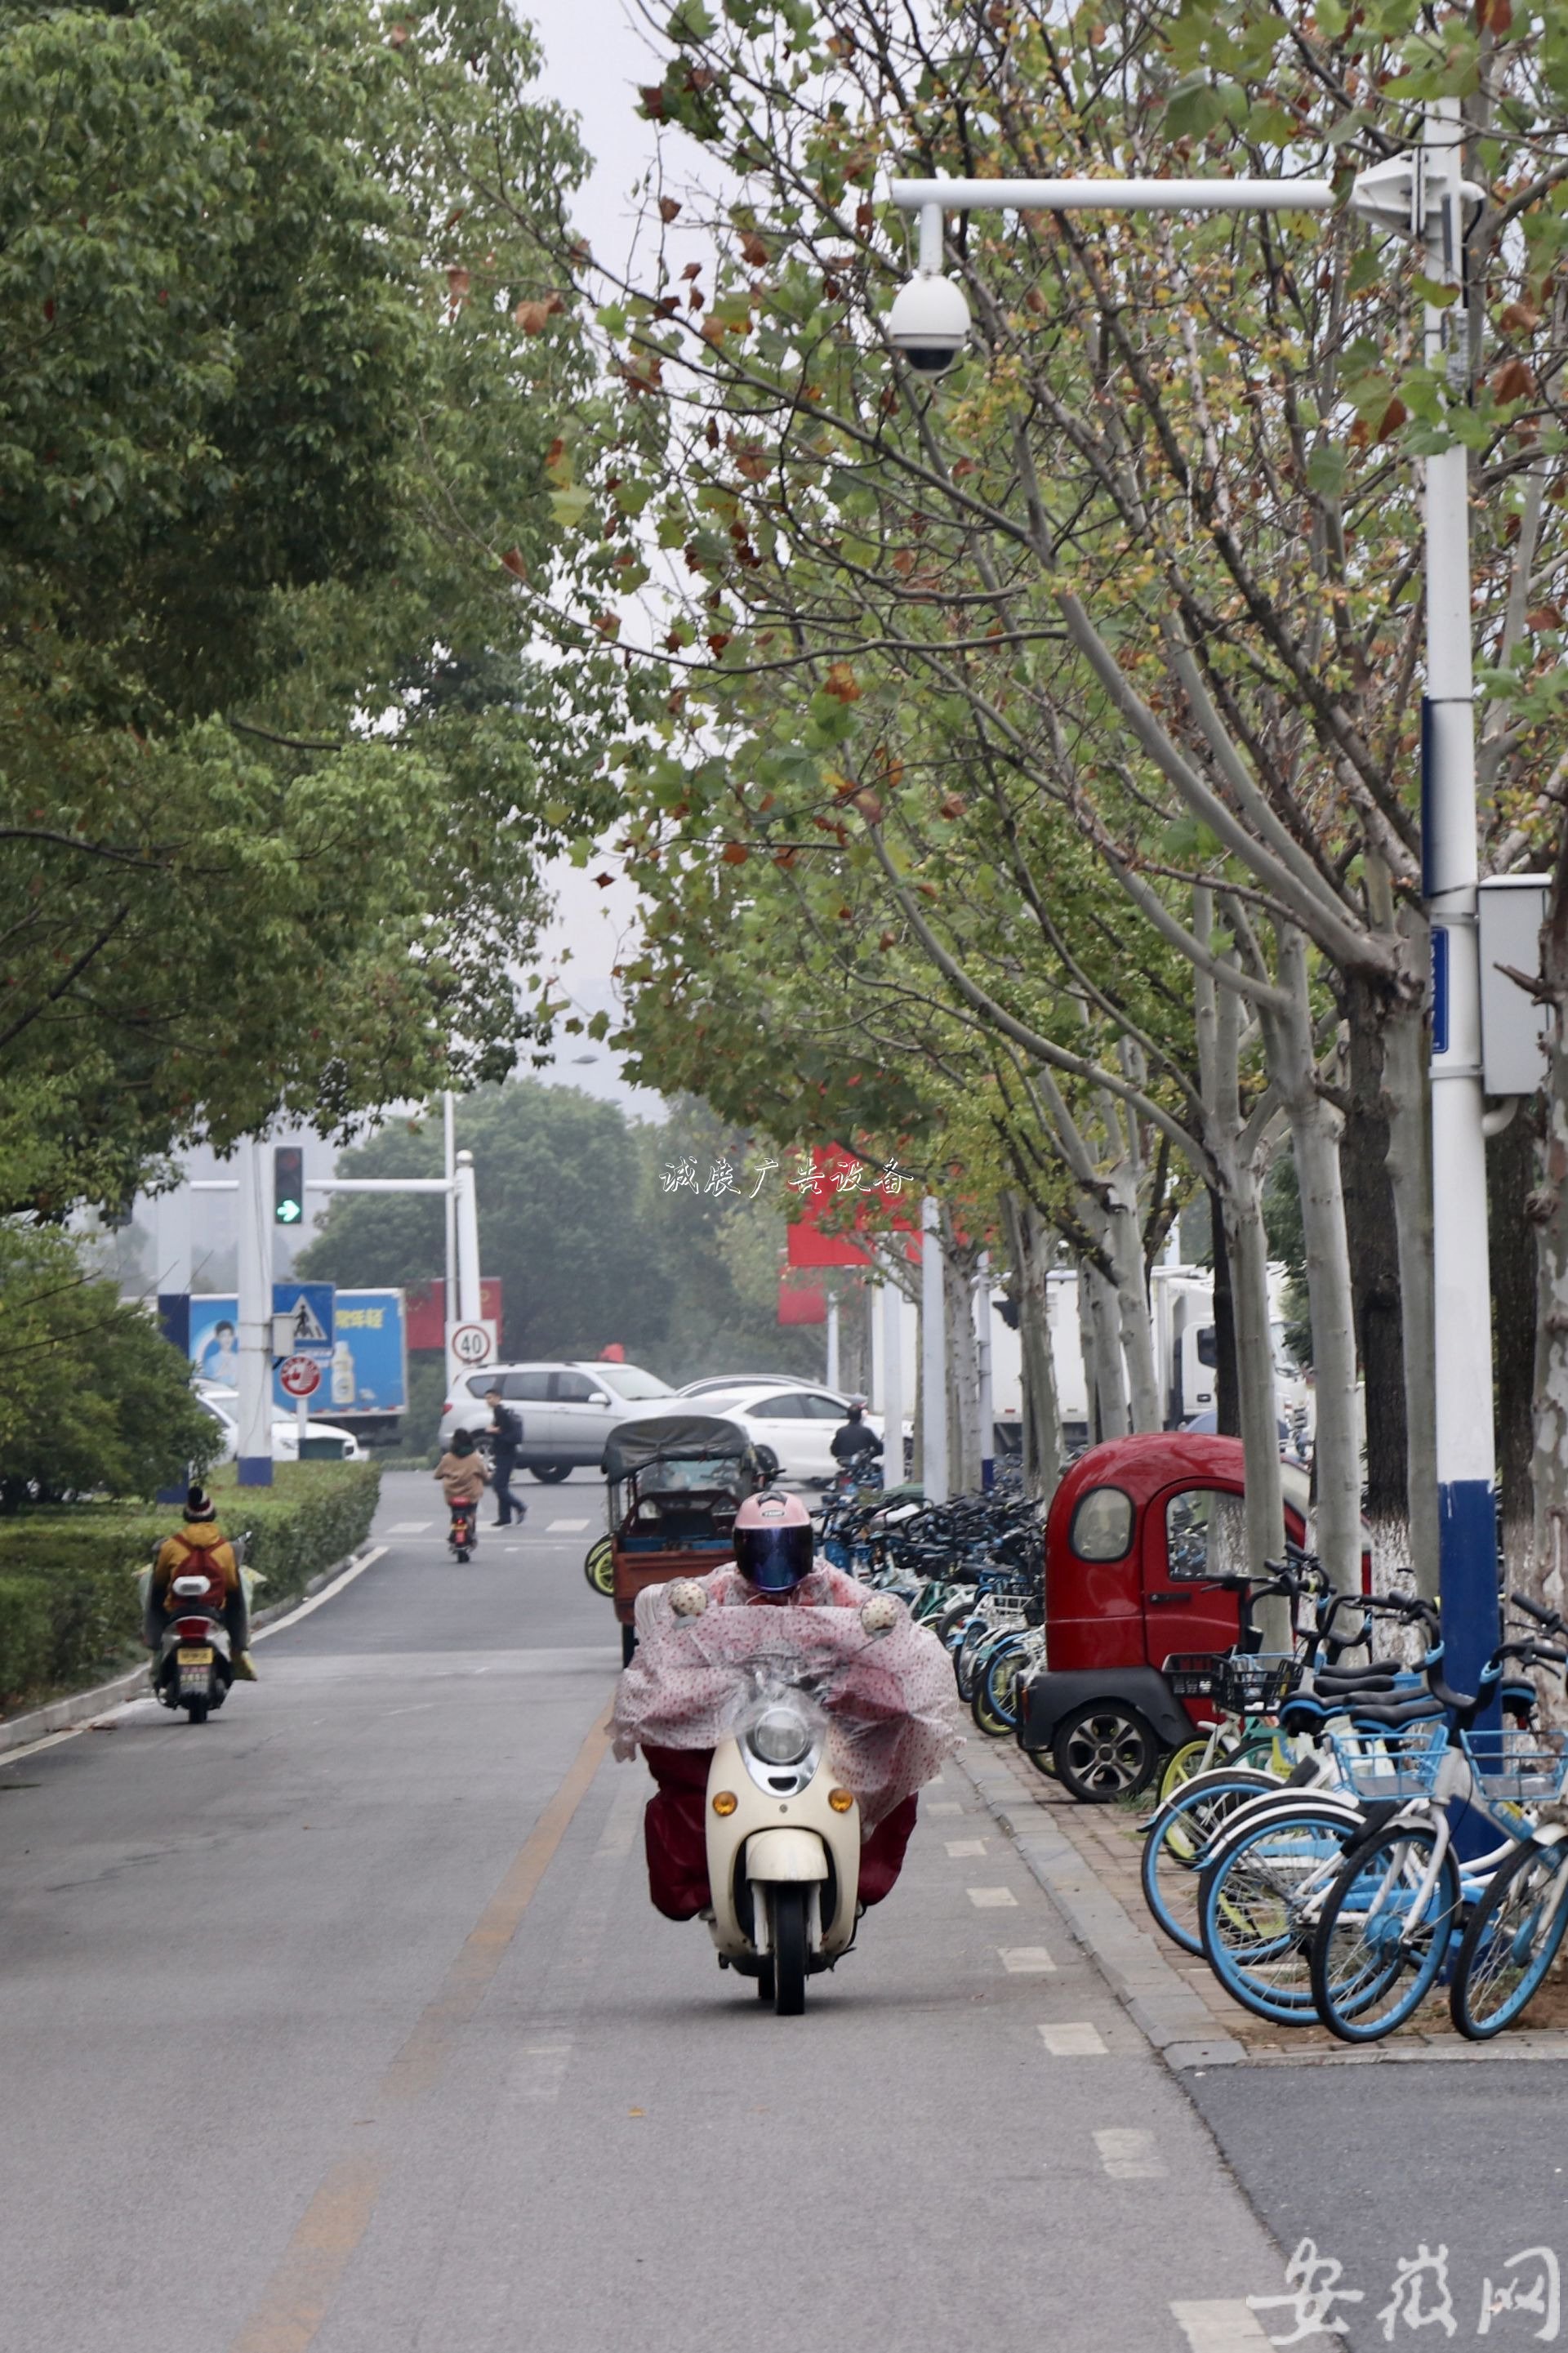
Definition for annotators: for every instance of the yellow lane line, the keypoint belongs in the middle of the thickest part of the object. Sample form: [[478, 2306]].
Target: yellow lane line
[[299, 2294]]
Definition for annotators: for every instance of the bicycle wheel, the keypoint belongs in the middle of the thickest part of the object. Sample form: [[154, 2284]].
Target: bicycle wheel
[[1194, 1756], [997, 1690], [1510, 1942], [1383, 1935], [1180, 1840], [1258, 1898]]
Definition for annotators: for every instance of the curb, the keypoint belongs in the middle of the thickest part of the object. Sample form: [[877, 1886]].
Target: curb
[[80, 1707], [1162, 2005]]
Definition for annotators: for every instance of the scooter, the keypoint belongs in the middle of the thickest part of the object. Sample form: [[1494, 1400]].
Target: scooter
[[463, 1530], [195, 1667], [784, 1845]]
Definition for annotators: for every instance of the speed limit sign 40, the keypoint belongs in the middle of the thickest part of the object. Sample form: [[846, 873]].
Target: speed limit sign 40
[[474, 1343]]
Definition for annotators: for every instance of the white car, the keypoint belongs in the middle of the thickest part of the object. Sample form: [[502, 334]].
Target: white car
[[713, 1382], [796, 1422], [567, 1410], [224, 1407]]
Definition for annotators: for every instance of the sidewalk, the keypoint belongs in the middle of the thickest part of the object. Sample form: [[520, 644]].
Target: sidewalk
[[1086, 1858]]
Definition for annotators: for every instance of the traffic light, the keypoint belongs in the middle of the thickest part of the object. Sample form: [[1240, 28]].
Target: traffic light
[[288, 1185]]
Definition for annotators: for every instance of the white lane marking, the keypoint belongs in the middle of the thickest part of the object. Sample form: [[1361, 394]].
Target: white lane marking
[[355, 1568], [1076, 2039], [564, 1528], [541, 2069], [993, 1899], [957, 1847], [948, 1806], [409, 1527], [1025, 1961], [1129, 2154], [1220, 2328], [620, 1827]]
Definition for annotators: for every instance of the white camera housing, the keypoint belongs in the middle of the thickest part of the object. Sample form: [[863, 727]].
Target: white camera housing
[[929, 323]]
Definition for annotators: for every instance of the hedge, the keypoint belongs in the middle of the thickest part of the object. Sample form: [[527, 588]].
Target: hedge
[[68, 1610]]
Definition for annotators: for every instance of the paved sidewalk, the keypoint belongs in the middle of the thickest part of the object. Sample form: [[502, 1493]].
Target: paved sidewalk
[[1088, 1858]]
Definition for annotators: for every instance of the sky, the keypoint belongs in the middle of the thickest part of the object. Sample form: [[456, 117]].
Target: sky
[[595, 60]]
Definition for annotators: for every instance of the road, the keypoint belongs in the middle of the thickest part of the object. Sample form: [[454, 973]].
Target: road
[[343, 2023]]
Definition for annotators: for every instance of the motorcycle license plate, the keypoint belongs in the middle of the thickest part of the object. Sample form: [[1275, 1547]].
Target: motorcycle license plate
[[192, 1654]]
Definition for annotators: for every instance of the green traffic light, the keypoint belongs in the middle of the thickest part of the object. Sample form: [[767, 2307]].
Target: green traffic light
[[287, 1212]]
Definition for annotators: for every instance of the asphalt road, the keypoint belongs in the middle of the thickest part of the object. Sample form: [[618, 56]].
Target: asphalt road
[[343, 2023]]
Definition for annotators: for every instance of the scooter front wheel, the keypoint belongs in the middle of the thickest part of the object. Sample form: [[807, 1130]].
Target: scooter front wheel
[[196, 1709], [788, 1909]]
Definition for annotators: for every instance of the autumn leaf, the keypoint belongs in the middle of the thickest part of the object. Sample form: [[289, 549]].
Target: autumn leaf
[[1519, 319], [458, 282], [952, 807], [514, 563], [1513, 381], [840, 683], [1393, 418], [668, 208], [755, 251], [608, 625], [604, 880], [398, 37], [1545, 616], [734, 853], [718, 642], [870, 805], [532, 316]]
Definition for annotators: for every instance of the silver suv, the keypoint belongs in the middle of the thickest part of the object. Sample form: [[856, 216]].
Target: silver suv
[[567, 1410]]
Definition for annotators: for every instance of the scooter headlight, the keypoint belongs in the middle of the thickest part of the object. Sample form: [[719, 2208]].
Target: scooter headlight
[[780, 1736]]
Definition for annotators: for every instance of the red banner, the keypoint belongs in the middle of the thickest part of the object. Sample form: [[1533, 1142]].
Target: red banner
[[858, 1200], [802, 1306], [428, 1315]]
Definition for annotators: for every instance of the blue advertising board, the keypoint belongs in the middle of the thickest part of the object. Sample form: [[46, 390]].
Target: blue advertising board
[[367, 1372]]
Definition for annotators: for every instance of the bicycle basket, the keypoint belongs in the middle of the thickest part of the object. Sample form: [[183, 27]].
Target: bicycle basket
[[1242, 1683], [1515, 1766], [1402, 1762]]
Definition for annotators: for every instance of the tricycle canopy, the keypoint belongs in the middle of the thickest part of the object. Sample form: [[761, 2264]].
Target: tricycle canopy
[[694, 1438]]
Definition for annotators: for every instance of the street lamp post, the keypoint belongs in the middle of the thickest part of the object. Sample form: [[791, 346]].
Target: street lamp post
[[1420, 195]]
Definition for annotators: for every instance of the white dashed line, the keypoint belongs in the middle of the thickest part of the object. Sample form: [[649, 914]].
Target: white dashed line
[[948, 1806], [957, 1847], [1220, 2328], [1074, 2040], [993, 1899], [408, 1527], [564, 1528], [1025, 1961], [1128, 2154]]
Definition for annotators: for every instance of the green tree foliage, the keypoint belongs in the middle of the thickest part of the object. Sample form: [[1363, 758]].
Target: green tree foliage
[[589, 1243], [285, 358], [92, 1398]]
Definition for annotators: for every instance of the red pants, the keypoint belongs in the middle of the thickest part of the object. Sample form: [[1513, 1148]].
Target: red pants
[[675, 1831]]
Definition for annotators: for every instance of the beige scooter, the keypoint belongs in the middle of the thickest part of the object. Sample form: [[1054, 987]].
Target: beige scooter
[[783, 1848]]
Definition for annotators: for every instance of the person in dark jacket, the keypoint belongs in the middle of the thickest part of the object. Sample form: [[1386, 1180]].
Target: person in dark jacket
[[855, 1437], [506, 1444]]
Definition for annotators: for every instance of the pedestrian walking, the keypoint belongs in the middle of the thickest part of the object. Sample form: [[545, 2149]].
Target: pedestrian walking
[[506, 1444]]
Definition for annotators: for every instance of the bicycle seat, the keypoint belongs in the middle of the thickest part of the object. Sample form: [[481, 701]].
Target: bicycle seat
[[1380, 1671], [1388, 1715]]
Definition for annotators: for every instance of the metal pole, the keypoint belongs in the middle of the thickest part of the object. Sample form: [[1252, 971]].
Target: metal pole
[[254, 1315], [1461, 1275], [448, 1169], [471, 1303], [983, 1359], [892, 1398], [933, 1356], [1105, 196], [832, 1339]]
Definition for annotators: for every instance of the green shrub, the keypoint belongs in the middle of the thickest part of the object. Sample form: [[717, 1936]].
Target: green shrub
[[68, 1607]]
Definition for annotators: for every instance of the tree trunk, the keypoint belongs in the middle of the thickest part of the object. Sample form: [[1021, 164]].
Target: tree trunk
[[1315, 1130], [1226, 1388], [1255, 1369], [1375, 1279], [1404, 1096], [963, 1377], [1124, 1248], [1109, 1371], [1031, 1248], [1511, 1174]]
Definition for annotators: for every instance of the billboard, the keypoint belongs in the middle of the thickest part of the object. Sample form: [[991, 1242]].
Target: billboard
[[368, 1373]]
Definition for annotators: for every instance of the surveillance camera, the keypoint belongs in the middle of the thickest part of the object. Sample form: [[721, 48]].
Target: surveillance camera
[[929, 323]]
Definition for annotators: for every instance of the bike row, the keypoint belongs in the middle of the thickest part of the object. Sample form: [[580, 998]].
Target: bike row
[[1358, 1832]]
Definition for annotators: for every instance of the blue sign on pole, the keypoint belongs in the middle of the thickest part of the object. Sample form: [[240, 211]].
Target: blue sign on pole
[[309, 1307], [363, 1360]]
